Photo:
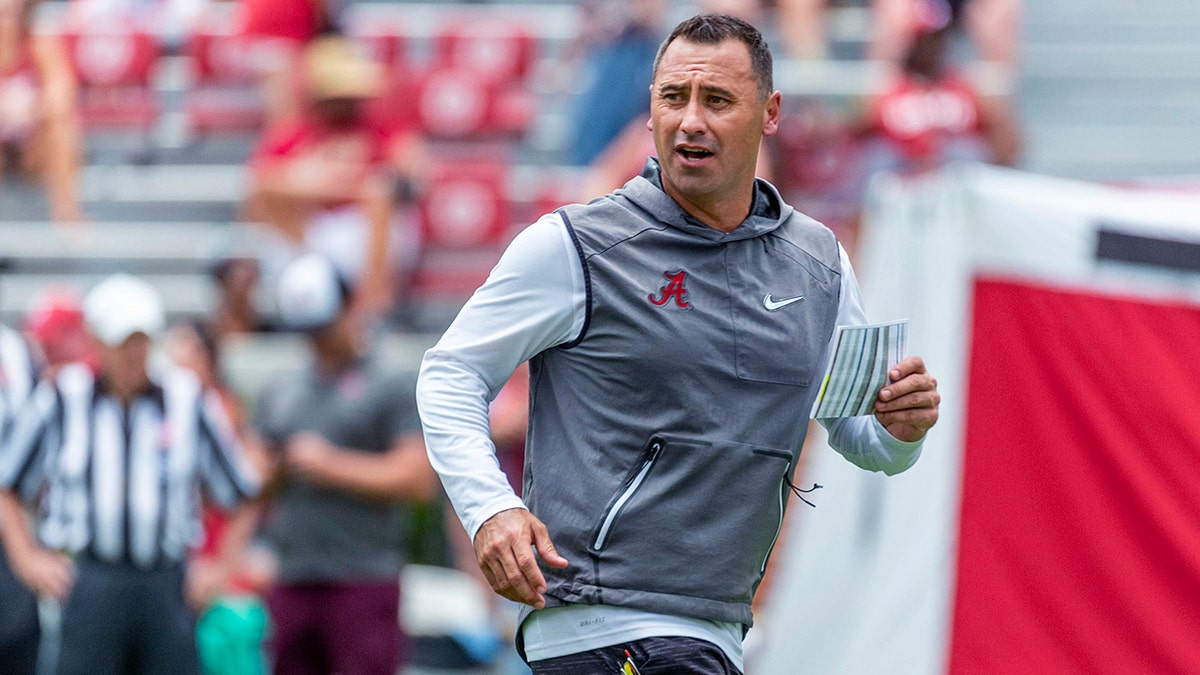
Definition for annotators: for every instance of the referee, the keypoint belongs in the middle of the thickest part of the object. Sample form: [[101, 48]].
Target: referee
[[116, 463], [19, 631]]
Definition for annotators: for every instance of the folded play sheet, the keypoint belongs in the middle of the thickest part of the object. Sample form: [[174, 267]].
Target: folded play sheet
[[862, 356]]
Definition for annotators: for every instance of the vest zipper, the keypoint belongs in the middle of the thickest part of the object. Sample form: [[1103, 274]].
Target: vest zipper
[[630, 488], [779, 527]]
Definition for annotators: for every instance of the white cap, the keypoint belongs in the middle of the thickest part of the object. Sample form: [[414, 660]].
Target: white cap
[[121, 306], [311, 294]]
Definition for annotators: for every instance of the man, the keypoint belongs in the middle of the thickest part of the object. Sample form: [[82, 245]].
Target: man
[[115, 461], [326, 179], [349, 446], [40, 130], [677, 330], [19, 629], [55, 326], [929, 114], [993, 26]]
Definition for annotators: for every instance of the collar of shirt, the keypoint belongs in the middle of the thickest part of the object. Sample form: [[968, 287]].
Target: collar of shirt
[[767, 211]]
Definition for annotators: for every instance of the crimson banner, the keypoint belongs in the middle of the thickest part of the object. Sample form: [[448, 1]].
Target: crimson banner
[[1080, 519]]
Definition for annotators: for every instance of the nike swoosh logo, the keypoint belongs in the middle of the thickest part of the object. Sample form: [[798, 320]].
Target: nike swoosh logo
[[774, 305]]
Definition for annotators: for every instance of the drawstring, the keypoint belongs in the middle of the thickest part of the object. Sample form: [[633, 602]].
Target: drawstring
[[800, 493]]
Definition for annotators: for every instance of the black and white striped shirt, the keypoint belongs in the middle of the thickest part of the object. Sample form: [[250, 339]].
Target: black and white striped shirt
[[119, 484], [17, 375]]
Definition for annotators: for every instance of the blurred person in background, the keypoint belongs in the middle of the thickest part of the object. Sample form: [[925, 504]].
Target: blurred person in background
[[53, 335], [795, 27], [21, 366], [54, 323], [802, 28], [624, 153], [508, 416], [236, 309], [930, 114], [19, 628], [193, 345], [274, 35], [40, 130], [349, 450], [226, 590], [623, 37], [113, 460], [994, 27], [56, 336], [328, 181]]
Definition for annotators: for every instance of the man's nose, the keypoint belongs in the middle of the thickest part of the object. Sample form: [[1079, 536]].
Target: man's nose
[[693, 121]]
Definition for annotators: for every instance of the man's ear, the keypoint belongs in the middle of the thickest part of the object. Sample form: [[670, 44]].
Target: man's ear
[[650, 120], [771, 114]]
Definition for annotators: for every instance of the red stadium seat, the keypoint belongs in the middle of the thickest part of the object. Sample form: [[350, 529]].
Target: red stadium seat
[[466, 204], [466, 219], [493, 51], [382, 40], [115, 65], [217, 55], [224, 92], [453, 103]]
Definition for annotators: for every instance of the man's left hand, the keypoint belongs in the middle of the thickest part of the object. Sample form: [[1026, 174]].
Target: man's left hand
[[908, 405]]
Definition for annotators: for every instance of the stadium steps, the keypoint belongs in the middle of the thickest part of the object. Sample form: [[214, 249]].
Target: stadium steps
[[163, 192], [254, 361], [1109, 89], [176, 257]]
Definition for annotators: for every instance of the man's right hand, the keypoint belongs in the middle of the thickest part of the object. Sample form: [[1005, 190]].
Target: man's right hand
[[504, 549], [45, 572]]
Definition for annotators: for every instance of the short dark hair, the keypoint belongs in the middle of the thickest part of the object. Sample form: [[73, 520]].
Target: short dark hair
[[714, 29]]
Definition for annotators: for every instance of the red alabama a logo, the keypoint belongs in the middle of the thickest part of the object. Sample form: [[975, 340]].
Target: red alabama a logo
[[674, 289]]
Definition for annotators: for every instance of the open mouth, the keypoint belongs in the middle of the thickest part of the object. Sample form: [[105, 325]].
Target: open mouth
[[694, 154]]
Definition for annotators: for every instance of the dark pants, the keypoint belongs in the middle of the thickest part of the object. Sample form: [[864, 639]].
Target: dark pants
[[19, 631], [121, 619], [651, 656], [345, 628]]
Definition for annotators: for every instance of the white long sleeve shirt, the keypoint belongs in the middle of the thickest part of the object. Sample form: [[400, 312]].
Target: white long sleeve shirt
[[535, 299]]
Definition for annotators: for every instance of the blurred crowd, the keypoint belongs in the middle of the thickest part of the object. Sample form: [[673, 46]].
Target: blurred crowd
[[297, 511], [351, 128], [166, 524]]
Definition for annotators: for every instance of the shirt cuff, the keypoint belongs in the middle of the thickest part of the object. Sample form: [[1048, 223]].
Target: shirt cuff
[[481, 513], [901, 454]]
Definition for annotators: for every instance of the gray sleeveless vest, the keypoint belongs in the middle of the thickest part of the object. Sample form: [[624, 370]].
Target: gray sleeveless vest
[[661, 441]]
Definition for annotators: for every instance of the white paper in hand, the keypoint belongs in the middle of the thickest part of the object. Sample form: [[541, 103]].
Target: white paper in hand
[[862, 357]]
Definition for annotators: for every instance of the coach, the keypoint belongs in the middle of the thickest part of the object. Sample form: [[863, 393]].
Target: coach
[[676, 330]]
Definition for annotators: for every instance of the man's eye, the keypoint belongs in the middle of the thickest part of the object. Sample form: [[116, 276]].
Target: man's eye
[[718, 101]]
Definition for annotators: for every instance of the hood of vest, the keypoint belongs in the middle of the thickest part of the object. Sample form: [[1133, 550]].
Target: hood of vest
[[767, 213]]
